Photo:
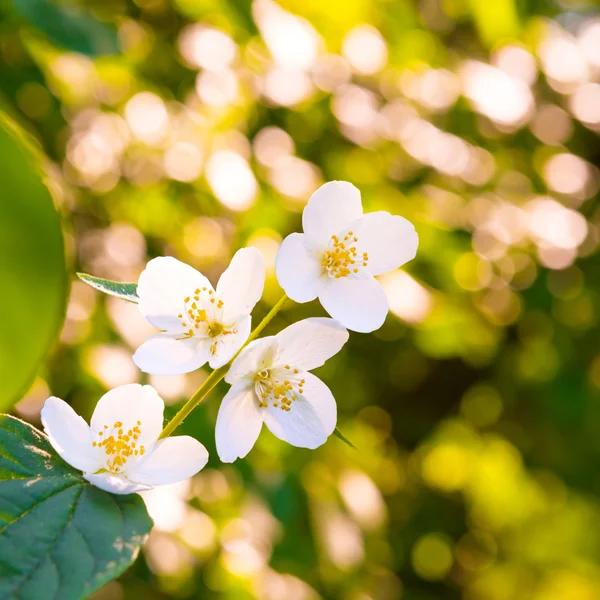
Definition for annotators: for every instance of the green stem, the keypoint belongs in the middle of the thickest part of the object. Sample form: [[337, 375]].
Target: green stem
[[216, 376], [263, 324]]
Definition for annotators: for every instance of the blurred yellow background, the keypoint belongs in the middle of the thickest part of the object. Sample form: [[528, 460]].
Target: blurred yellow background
[[476, 408]]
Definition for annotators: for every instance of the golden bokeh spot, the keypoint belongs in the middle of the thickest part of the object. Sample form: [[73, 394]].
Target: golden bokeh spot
[[432, 557], [482, 405], [446, 467]]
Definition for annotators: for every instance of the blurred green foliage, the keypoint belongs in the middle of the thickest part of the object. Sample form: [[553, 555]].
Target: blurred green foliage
[[476, 408], [70, 27]]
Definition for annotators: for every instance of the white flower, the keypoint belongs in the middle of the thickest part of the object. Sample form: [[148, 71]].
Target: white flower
[[120, 451], [198, 323], [271, 384], [341, 252]]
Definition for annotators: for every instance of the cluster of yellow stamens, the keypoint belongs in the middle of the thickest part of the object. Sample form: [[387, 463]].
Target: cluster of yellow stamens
[[119, 446], [195, 313], [342, 257], [280, 392]]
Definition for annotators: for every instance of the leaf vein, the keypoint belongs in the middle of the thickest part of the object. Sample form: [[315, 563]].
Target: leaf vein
[[48, 554], [26, 512]]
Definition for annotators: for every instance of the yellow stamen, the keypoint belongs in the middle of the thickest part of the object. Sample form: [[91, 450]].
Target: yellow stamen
[[337, 261]]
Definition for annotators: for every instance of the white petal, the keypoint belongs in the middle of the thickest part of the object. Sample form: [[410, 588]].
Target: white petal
[[173, 459], [297, 269], [129, 404], [329, 211], [228, 345], [241, 284], [257, 355], [238, 423], [165, 354], [115, 484], [69, 435], [358, 304], [162, 288], [309, 343], [311, 418], [389, 240]]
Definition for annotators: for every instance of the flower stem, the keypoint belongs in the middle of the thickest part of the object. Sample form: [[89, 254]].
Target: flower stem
[[216, 376], [258, 329]]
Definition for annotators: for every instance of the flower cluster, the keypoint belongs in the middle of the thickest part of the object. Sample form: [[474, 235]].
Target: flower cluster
[[336, 259]]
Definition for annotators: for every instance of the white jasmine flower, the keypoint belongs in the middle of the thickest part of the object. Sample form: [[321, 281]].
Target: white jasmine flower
[[341, 252], [271, 384], [198, 323], [120, 451]]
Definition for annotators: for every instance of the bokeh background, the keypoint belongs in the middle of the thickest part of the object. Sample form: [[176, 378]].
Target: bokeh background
[[195, 127]]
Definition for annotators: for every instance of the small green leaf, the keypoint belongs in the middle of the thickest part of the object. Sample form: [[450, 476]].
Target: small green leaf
[[60, 537], [126, 291], [70, 27], [342, 437], [32, 264]]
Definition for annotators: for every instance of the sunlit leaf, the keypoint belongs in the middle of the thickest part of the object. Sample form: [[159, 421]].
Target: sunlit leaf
[[32, 264], [60, 537], [70, 27], [126, 291]]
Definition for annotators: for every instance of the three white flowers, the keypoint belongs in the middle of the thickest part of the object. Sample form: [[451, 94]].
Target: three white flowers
[[336, 260]]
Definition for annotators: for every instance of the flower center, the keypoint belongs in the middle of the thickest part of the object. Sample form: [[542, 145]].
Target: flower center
[[194, 320], [280, 389], [119, 446], [215, 329], [341, 258]]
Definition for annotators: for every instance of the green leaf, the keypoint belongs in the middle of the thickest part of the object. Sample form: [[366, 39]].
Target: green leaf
[[342, 437], [60, 537], [70, 27], [126, 291], [32, 264]]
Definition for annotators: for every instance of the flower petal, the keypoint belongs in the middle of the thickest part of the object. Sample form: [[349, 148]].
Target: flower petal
[[241, 284], [173, 459], [389, 240], [227, 345], [358, 304], [69, 435], [162, 288], [115, 484], [238, 423], [309, 343], [297, 269], [168, 354], [329, 211], [257, 355], [311, 418], [129, 404]]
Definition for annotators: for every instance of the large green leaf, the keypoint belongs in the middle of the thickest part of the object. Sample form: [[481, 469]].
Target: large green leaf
[[126, 291], [70, 27], [60, 537], [32, 264]]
